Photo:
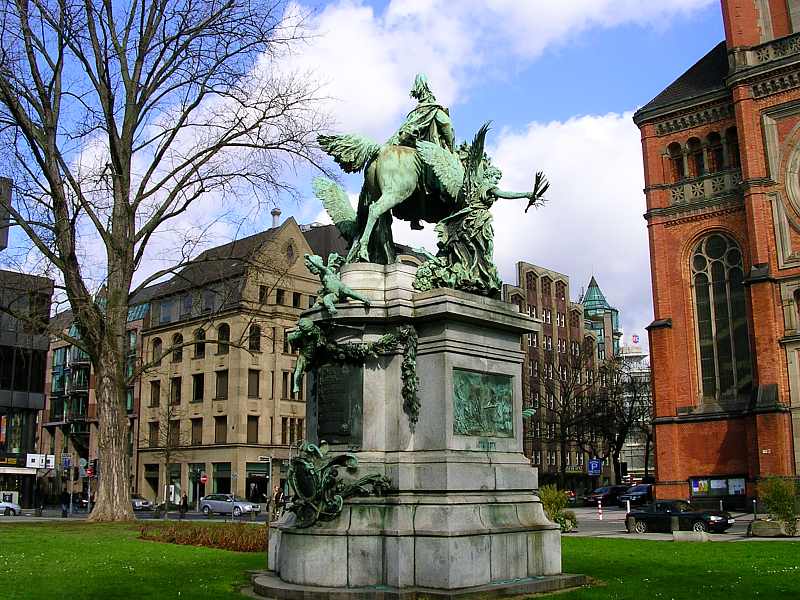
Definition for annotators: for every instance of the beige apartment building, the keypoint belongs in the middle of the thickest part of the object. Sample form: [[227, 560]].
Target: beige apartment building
[[216, 396]]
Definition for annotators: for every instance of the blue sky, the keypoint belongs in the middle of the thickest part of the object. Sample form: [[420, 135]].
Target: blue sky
[[559, 81]]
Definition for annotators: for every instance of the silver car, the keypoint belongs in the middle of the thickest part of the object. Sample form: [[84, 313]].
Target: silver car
[[10, 509], [227, 504], [140, 503]]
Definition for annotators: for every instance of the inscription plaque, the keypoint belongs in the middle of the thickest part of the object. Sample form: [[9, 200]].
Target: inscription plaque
[[483, 404], [338, 398]]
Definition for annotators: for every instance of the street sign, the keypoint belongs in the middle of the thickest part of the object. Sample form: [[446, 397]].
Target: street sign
[[204, 479], [34, 461], [595, 466], [82, 462], [66, 460], [264, 458], [50, 461]]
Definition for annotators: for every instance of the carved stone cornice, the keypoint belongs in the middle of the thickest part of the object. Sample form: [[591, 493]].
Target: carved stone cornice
[[774, 50], [779, 82], [702, 116]]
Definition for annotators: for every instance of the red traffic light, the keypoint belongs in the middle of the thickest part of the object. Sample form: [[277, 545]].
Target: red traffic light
[[90, 472]]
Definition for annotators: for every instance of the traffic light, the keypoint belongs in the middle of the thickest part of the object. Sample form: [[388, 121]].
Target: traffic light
[[94, 463]]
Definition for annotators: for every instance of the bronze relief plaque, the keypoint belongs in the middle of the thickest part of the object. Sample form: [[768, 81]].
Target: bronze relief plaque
[[483, 404]]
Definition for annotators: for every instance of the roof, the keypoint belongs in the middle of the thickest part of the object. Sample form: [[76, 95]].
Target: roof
[[325, 239], [707, 75], [223, 262], [62, 320], [593, 299]]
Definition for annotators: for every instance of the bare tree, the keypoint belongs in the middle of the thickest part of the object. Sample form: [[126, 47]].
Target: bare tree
[[115, 117], [623, 404], [567, 380]]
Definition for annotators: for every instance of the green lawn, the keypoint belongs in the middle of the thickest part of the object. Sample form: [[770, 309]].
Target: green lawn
[[655, 570], [76, 561]]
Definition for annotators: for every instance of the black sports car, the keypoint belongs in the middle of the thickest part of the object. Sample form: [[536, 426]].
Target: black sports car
[[638, 494], [658, 517]]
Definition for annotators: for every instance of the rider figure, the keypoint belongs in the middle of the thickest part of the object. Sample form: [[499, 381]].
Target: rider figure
[[429, 121]]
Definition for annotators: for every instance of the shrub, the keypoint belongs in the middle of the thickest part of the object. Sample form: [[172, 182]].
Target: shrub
[[554, 502], [779, 497], [240, 537]]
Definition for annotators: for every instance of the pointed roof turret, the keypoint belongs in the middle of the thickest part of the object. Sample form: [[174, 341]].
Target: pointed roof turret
[[593, 299]]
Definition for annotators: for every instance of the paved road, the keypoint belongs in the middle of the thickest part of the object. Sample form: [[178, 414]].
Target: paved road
[[28, 516], [613, 525]]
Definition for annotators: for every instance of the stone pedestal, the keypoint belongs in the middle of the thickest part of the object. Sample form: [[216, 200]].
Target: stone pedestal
[[465, 515]]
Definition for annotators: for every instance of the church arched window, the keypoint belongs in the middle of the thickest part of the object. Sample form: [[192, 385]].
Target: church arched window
[[719, 296], [677, 171]]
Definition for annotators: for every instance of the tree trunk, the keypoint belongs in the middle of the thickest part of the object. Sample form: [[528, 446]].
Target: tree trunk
[[113, 484], [646, 455]]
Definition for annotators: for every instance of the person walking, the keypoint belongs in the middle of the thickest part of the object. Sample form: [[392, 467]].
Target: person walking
[[64, 504], [278, 501], [184, 505]]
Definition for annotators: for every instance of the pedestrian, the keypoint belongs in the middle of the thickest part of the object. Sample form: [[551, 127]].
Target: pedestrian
[[64, 504], [184, 505], [278, 501]]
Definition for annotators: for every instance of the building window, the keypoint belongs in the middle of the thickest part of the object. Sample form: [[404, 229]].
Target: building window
[[167, 311], [715, 154], [534, 340], [222, 385], [280, 296], [198, 387], [286, 390], [177, 348], [253, 380], [199, 343], [732, 141], [285, 430], [252, 429], [561, 291], [186, 305], [221, 429], [197, 431], [297, 300], [254, 339], [157, 351], [153, 434], [537, 457], [719, 296], [287, 347], [174, 433], [263, 294], [155, 393], [675, 153], [547, 316], [175, 391], [223, 338], [697, 161], [209, 297]]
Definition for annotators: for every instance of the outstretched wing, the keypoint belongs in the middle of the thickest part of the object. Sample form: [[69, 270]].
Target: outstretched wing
[[351, 152], [445, 164], [337, 204]]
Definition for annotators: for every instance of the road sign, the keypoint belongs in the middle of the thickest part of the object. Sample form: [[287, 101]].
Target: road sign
[[595, 466], [50, 461], [34, 461], [66, 460], [264, 458], [204, 479], [82, 462]]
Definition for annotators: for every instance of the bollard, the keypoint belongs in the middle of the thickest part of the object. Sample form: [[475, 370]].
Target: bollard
[[755, 510], [600, 510], [720, 505], [628, 502]]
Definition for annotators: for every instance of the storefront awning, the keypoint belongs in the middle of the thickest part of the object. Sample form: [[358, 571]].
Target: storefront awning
[[17, 471]]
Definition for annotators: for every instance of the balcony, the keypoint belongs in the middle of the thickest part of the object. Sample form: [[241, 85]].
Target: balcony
[[79, 409], [710, 185], [79, 381]]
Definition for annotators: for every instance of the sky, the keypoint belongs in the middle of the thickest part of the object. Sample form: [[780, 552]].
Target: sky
[[559, 81]]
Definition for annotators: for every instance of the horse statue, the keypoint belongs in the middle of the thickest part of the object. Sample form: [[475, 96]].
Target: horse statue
[[396, 181]]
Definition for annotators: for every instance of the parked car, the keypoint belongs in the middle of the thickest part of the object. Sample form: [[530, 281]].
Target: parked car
[[140, 503], [227, 504], [638, 495], [10, 509], [658, 517], [572, 497], [608, 495]]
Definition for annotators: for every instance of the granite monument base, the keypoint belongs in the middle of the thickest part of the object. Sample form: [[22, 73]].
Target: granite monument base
[[463, 518]]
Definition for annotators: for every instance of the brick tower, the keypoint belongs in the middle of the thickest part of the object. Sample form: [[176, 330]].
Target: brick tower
[[721, 152]]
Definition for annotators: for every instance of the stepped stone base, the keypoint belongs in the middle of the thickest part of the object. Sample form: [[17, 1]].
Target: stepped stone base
[[268, 585]]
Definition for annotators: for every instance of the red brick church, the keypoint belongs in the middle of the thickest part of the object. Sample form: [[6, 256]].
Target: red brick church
[[722, 170]]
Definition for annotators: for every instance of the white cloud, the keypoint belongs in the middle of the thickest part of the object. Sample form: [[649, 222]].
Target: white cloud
[[592, 224]]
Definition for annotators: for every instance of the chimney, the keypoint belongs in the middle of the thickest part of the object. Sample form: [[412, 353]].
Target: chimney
[[276, 216]]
